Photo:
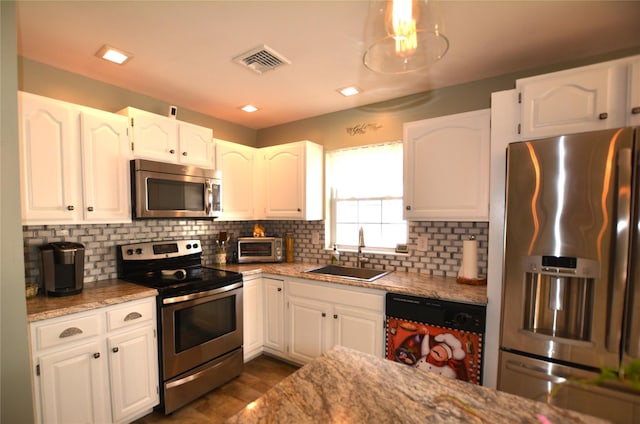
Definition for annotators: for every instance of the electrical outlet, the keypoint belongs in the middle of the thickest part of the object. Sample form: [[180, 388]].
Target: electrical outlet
[[423, 243], [315, 237]]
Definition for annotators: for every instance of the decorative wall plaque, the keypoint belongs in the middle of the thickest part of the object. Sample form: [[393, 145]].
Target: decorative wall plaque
[[362, 128]]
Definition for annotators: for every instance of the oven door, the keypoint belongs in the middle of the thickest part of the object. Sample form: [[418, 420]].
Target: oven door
[[200, 327]]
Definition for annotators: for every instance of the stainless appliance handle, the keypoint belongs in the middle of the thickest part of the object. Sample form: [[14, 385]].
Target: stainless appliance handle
[[187, 297], [632, 336], [208, 207], [535, 372], [620, 254]]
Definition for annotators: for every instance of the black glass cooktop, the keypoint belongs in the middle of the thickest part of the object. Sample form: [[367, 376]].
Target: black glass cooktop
[[185, 280]]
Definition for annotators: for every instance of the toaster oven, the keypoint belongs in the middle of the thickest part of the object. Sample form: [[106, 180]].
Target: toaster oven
[[260, 249]]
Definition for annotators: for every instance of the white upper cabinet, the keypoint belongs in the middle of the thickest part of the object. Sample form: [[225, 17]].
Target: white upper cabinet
[[583, 99], [236, 162], [446, 168], [105, 154], [293, 178], [163, 139], [633, 107], [74, 163]]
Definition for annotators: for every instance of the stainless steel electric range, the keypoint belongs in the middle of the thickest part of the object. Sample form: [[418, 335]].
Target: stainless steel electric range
[[199, 317]]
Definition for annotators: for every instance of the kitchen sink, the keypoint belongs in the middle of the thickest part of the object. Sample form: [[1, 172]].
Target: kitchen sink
[[362, 274]]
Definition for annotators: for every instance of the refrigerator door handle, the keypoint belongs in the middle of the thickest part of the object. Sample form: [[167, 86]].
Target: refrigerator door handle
[[620, 254], [536, 372], [632, 336]]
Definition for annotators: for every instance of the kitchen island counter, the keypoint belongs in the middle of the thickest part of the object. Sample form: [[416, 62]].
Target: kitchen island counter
[[396, 281], [348, 386]]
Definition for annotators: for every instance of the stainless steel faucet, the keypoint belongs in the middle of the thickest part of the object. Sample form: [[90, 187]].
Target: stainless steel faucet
[[361, 258]]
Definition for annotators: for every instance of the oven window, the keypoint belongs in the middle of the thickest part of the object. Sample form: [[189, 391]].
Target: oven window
[[167, 195], [201, 323]]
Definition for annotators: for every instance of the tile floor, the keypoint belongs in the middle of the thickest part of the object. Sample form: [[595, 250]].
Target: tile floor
[[260, 374]]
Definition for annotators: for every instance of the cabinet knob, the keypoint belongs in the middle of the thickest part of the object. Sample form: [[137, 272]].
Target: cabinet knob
[[408, 207], [335, 316], [324, 314], [90, 208], [70, 208], [184, 153], [635, 110], [96, 355], [172, 151], [603, 116], [115, 349], [279, 288], [299, 210]]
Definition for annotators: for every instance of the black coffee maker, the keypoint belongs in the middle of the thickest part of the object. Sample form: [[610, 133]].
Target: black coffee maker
[[62, 268]]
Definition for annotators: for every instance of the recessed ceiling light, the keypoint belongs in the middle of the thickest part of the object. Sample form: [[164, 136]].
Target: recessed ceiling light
[[349, 91], [249, 108], [113, 55]]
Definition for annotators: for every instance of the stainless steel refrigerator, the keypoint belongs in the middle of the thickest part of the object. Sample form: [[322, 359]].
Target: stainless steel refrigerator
[[571, 288]]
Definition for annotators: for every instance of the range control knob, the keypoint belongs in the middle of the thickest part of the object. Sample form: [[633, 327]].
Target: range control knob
[[195, 245], [188, 246], [139, 251], [129, 252]]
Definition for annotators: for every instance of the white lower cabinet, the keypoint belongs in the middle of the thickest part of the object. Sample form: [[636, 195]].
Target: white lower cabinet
[[252, 310], [273, 314], [320, 316], [98, 366]]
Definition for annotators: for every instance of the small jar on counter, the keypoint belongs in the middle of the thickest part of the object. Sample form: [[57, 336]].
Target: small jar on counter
[[288, 246]]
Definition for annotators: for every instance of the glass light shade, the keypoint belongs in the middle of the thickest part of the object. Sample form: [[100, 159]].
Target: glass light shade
[[383, 57]]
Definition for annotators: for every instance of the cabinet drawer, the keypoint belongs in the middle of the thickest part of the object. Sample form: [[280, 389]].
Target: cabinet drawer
[[132, 314], [67, 331]]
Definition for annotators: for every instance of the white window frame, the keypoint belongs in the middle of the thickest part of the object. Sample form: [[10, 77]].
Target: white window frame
[[332, 199]]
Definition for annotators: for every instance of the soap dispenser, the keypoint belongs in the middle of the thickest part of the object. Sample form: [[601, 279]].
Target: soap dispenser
[[335, 255]]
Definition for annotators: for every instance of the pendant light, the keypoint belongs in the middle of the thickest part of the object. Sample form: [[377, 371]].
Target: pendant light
[[408, 45]]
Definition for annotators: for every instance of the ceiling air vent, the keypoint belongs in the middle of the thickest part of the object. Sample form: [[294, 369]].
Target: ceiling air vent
[[261, 59]]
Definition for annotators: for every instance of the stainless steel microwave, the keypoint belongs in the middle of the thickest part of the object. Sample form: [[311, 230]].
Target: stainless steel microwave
[[166, 190], [260, 249]]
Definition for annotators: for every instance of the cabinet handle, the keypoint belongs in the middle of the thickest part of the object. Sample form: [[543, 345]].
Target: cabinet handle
[[90, 208], [408, 207], [96, 355], [70, 208], [71, 331], [132, 315], [184, 153], [172, 151], [324, 314], [115, 349], [603, 116], [635, 110], [335, 316]]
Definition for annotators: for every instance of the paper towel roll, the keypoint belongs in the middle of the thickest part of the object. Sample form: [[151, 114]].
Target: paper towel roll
[[469, 268]]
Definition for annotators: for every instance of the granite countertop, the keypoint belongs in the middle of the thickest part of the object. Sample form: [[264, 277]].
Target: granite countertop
[[93, 295], [397, 282], [344, 385]]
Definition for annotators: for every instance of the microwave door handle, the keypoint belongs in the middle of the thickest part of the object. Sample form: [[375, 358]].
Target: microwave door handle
[[208, 207], [620, 255]]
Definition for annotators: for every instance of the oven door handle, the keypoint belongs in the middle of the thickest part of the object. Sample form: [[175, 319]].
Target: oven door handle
[[191, 296]]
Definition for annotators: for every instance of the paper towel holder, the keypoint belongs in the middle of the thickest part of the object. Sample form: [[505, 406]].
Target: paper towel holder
[[479, 281]]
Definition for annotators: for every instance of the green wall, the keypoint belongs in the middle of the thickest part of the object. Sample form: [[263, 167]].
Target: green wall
[[15, 381]]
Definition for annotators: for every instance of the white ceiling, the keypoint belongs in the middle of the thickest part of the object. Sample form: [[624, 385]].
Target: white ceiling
[[183, 50]]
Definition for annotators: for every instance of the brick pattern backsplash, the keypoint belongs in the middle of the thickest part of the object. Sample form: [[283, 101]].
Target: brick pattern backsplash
[[442, 257]]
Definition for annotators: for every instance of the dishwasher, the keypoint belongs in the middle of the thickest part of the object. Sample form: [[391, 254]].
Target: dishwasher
[[436, 335]]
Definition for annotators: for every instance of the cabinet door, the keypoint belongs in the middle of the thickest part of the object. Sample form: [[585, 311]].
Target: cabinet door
[[309, 328], [235, 161], [105, 164], [584, 99], [284, 181], [252, 317], [634, 95], [273, 314], [134, 372], [154, 137], [446, 172], [196, 145], [74, 385], [50, 161], [359, 329]]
